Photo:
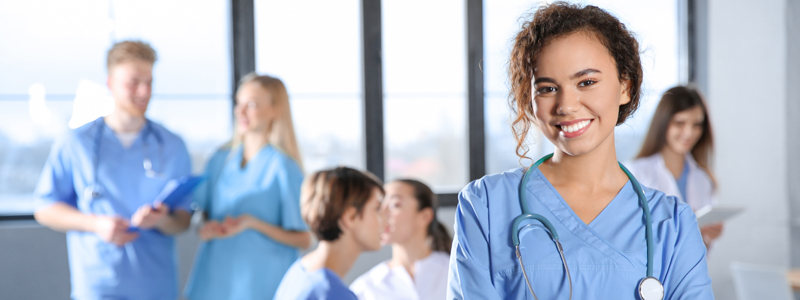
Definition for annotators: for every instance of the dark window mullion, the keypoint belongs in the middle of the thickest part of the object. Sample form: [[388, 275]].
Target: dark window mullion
[[373, 86]]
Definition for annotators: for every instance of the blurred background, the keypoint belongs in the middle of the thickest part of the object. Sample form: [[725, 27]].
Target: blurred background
[[406, 88]]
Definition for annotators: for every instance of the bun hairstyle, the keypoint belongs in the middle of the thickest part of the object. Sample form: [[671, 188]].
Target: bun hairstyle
[[327, 194], [438, 237], [557, 20]]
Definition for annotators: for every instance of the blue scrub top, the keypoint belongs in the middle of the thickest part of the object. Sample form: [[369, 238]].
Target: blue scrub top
[[146, 267], [322, 284], [249, 265], [682, 180], [607, 258]]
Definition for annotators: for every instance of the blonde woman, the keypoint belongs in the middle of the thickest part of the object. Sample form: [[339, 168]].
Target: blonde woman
[[253, 230]]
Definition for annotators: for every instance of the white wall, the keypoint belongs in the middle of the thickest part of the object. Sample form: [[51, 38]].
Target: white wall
[[747, 98]]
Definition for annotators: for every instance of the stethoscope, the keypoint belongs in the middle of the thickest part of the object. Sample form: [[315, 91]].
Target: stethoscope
[[93, 191], [650, 288]]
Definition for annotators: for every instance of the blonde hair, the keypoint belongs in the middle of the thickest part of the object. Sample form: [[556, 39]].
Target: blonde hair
[[130, 50], [281, 132]]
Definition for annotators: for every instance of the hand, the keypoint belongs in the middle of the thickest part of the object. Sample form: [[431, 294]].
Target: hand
[[149, 216], [711, 233], [234, 226], [211, 230], [113, 230]]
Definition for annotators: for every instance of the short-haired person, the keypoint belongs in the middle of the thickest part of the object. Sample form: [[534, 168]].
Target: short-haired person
[[575, 224], [677, 152], [342, 206], [253, 231], [103, 178], [420, 247]]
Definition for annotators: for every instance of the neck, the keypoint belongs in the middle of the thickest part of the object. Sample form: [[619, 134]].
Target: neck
[[674, 161], [122, 122], [594, 170], [406, 254], [252, 143], [338, 256]]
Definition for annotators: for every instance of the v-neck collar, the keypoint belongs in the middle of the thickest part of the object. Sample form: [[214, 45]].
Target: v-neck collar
[[551, 199], [239, 156]]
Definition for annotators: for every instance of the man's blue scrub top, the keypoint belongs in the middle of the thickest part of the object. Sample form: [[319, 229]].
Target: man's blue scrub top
[[249, 265], [146, 267], [607, 257]]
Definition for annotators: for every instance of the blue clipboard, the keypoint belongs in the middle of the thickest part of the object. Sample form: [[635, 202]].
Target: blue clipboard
[[175, 191]]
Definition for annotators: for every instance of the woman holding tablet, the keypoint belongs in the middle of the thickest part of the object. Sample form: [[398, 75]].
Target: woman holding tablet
[[677, 152], [253, 230], [575, 224]]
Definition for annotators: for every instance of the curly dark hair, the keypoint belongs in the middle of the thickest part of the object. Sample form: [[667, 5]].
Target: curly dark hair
[[557, 20]]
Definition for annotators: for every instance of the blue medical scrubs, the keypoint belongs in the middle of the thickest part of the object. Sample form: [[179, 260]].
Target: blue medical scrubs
[[146, 267], [249, 265], [322, 284], [607, 257]]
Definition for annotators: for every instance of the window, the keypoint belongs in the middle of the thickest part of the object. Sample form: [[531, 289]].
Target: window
[[655, 24], [424, 57], [54, 77], [314, 48]]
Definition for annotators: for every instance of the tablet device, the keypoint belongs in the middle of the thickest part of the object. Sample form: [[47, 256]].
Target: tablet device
[[715, 214]]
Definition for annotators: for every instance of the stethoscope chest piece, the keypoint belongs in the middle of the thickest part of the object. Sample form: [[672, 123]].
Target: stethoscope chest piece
[[651, 289]]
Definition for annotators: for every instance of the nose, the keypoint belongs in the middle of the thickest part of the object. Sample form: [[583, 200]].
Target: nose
[[567, 102]]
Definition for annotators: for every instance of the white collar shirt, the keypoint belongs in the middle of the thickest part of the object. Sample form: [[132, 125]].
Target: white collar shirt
[[383, 282]]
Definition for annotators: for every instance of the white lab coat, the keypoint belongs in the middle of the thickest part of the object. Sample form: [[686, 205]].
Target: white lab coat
[[382, 282], [652, 172]]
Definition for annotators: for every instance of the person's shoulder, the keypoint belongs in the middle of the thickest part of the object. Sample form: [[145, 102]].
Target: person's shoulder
[[376, 274], [643, 162], [664, 207], [478, 190], [283, 160]]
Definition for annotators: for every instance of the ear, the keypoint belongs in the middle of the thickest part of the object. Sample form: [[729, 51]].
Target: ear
[[625, 97], [348, 219], [425, 216]]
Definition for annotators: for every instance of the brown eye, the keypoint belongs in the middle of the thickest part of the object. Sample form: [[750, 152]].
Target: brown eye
[[546, 89], [586, 83]]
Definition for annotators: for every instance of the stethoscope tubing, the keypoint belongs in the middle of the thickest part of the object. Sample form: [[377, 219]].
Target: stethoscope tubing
[[528, 215]]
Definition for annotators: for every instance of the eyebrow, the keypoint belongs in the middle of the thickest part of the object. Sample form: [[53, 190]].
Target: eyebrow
[[584, 72], [574, 76]]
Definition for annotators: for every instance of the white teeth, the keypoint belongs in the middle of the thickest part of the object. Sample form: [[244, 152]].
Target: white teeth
[[576, 126]]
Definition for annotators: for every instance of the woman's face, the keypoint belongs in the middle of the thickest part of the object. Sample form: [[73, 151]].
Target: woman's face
[[404, 220], [368, 227], [253, 110], [685, 129], [577, 93]]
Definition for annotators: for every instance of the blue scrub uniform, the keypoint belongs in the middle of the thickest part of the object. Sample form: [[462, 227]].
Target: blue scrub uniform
[[322, 284], [607, 258], [146, 267], [249, 265]]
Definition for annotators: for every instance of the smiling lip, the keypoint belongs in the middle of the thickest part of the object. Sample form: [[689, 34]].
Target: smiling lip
[[574, 128]]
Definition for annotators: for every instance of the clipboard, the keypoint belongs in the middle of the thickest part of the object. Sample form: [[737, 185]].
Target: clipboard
[[711, 214], [174, 192]]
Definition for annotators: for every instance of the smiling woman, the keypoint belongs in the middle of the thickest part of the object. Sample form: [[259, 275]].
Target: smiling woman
[[575, 75]]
